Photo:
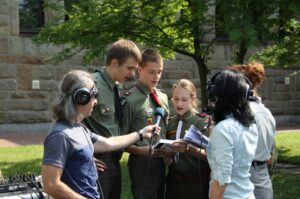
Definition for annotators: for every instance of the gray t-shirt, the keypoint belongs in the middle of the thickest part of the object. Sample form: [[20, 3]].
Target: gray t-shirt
[[70, 147]]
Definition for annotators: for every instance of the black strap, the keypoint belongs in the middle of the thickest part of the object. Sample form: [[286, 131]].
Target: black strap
[[118, 106]]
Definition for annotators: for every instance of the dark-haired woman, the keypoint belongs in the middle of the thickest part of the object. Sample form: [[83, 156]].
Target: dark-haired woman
[[233, 140]]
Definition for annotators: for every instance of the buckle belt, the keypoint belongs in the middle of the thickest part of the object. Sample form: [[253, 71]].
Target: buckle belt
[[258, 163]]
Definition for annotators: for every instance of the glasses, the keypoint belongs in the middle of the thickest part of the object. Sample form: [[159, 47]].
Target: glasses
[[94, 92]]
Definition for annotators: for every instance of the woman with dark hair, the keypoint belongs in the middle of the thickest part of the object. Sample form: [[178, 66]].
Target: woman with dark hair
[[233, 140]]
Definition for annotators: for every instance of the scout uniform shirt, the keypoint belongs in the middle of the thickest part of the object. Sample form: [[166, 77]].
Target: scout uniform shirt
[[103, 120], [139, 111], [188, 164], [189, 176]]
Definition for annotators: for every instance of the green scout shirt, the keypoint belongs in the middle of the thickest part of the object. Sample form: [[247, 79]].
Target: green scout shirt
[[139, 111], [188, 164], [103, 119]]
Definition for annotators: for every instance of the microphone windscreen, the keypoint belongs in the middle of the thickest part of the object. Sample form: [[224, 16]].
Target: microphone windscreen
[[159, 111]]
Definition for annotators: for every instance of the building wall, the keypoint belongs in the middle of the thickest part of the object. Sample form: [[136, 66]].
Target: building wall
[[23, 108]]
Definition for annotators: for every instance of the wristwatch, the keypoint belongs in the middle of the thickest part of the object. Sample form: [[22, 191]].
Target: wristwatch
[[141, 135]]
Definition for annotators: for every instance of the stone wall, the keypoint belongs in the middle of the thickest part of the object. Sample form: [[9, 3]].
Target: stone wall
[[23, 108]]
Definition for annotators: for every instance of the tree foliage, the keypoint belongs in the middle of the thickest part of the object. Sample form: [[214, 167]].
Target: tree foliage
[[172, 26], [286, 52], [169, 25]]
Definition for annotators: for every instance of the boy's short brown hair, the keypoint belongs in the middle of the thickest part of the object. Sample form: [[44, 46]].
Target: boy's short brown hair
[[150, 55], [122, 50]]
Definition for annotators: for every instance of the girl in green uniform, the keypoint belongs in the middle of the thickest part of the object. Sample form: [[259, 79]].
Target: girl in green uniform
[[188, 173]]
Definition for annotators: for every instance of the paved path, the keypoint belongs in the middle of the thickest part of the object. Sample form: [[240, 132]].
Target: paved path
[[16, 139], [288, 168]]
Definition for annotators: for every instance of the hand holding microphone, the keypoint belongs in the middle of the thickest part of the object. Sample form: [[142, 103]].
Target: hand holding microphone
[[159, 114]]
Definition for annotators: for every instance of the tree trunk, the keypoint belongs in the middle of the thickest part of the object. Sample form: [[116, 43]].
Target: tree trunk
[[240, 55], [202, 70]]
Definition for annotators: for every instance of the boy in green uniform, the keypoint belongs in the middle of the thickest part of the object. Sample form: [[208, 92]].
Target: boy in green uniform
[[146, 170], [121, 62], [188, 175]]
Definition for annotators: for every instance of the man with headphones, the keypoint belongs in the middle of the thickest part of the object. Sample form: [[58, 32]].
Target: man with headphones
[[68, 168], [122, 61], [233, 140]]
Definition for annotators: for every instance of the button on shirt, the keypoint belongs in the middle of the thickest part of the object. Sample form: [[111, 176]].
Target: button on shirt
[[140, 109], [103, 119], [230, 152]]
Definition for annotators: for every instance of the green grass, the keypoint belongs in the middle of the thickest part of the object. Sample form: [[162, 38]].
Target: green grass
[[14, 160], [22, 159], [286, 186], [288, 145]]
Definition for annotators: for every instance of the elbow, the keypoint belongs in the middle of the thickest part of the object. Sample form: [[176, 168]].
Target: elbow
[[49, 188]]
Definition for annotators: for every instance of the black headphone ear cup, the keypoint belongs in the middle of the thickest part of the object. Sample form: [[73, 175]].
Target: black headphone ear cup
[[81, 96], [249, 92]]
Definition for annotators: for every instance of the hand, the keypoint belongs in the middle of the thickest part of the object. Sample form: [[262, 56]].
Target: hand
[[147, 131], [180, 145], [157, 153], [168, 160], [101, 166]]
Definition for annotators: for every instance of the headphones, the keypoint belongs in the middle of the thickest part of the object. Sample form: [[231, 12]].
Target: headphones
[[83, 95], [211, 88]]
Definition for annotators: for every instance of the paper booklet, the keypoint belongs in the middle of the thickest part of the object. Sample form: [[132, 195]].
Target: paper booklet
[[195, 137], [164, 144]]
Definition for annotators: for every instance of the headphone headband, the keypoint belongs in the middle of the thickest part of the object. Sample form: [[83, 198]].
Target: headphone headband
[[211, 88]]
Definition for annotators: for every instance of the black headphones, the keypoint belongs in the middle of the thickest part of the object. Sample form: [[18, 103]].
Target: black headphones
[[211, 88], [82, 96]]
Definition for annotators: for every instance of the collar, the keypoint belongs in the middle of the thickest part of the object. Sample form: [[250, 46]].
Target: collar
[[186, 115], [111, 84], [142, 88]]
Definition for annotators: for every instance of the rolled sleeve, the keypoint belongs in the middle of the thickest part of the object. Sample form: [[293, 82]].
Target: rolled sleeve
[[222, 146]]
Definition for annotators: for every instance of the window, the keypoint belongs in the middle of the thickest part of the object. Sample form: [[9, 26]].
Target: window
[[31, 15]]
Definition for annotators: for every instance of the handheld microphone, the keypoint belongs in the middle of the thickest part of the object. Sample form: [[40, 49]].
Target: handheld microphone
[[159, 113]]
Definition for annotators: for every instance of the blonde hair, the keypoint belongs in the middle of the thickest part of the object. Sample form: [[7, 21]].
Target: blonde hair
[[190, 87]]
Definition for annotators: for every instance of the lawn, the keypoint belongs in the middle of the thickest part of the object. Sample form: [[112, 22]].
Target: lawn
[[24, 159]]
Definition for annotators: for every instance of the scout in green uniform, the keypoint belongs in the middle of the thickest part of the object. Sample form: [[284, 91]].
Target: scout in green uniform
[[188, 174], [146, 171], [122, 60]]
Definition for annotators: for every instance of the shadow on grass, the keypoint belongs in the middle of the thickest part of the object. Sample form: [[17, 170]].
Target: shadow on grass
[[13, 168], [284, 157], [286, 186]]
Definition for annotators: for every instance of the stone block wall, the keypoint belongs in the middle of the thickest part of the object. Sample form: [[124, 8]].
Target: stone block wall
[[23, 108]]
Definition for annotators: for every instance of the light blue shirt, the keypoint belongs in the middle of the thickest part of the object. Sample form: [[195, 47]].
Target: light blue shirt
[[266, 127], [230, 152]]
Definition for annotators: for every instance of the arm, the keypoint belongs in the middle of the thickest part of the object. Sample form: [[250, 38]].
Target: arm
[[53, 186], [119, 142], [216, 190], [183, 147], [196, 151]]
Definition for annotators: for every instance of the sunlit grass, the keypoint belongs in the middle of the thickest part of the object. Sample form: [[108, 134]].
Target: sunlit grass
[[23, 159], [288, 145]]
